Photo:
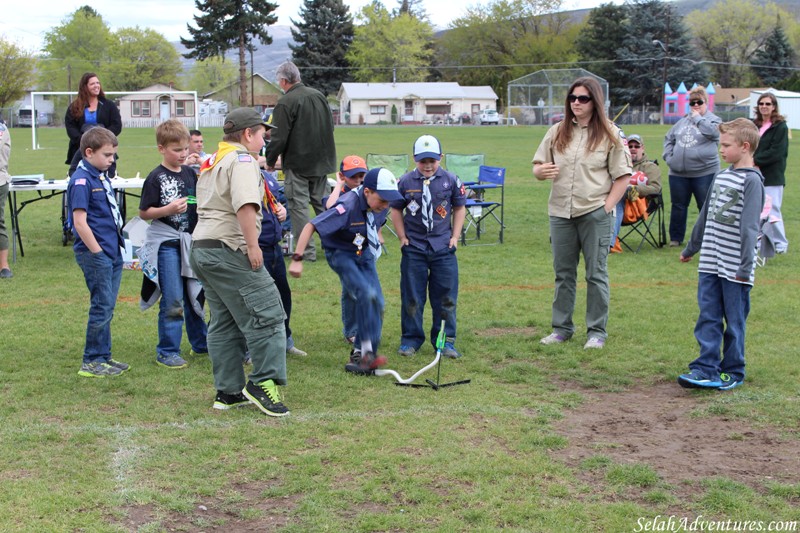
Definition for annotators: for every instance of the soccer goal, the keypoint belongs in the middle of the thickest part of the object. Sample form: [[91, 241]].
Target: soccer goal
[[138, 109]]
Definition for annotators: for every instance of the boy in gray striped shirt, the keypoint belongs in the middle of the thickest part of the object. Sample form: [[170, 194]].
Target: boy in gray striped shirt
[[726, 234]]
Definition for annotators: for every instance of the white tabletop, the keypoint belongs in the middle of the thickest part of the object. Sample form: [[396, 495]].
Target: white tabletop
[[61, 185]]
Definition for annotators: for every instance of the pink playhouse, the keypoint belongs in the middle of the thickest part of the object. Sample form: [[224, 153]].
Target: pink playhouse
[[676, 103]]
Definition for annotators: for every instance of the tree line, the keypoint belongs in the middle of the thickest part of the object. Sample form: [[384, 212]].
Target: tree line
[[635, 46]]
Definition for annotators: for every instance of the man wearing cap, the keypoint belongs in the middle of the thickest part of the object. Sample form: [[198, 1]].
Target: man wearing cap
[[349, 234], [304, 140], [428, 237], [245, 306], [648, 181]]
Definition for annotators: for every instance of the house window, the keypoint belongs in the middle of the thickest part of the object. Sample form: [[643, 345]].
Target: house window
[[184, 108], [140, 108], [437, 109], [377, 110]]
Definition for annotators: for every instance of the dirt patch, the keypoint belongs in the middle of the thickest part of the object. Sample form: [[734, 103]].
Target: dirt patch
[[500, 332], [655, 427]]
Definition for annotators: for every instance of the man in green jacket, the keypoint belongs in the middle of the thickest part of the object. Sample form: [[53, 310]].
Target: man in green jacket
[[303, 138]]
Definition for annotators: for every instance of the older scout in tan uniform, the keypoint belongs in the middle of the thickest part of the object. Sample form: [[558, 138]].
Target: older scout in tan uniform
[[245, 306], [5, 152]]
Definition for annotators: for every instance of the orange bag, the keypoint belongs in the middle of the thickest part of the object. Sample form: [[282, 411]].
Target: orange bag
[[635, 211]]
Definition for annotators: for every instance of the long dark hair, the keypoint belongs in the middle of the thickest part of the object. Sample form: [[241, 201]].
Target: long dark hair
[[82, 100], [599, 127], [775, 117]]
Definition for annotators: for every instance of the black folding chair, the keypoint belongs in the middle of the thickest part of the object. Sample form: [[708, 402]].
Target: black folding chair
[[650, 229]]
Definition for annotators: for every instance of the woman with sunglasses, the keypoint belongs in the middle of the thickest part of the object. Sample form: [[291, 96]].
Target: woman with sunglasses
[[691, 152], [770, 157], [589, 166]]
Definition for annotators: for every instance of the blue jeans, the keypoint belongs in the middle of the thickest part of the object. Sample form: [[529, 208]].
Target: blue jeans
[[618, 221], [103, 276], [175, 309], [360, 281], [434, 273], [720, 299], [349, 322], [680, 192], [273, 261]]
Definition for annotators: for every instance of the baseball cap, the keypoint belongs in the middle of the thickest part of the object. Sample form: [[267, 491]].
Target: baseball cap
[[636, 138], [241, 118], [427, 146], [352, 165], [384, 183]]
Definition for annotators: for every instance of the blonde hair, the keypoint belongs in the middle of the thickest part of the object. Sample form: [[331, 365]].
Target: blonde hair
[[743, 131], [171, 131], [699, 92]]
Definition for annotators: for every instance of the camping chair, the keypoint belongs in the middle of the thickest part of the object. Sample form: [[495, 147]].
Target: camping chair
[[481, 209], [649, 228], [397, 164], [466, 167]]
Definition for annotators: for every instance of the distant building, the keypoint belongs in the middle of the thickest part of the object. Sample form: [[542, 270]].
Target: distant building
[[676, 103], [155, 104], [416, 103], [265, 94]]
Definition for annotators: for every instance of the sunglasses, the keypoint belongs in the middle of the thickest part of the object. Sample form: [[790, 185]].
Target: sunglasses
[[582, 98], [634, 146], [696, 103], [768, 104]]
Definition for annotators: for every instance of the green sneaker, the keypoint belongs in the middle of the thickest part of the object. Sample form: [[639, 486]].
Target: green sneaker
[[266, 397], [98, 370]]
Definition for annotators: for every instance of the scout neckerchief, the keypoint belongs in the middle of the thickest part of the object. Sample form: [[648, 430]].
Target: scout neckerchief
[[269, 199], [112, 202], [223, 149], [427, 203], [372, 235]]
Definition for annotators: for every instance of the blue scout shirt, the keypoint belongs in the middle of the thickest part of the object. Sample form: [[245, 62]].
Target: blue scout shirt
[[271, 228], [345, 189], [85, 191], [447, 192], [345, 224]]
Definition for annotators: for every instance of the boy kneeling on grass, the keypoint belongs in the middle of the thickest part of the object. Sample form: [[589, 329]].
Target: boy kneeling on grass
[[97, 227], [726, 234]]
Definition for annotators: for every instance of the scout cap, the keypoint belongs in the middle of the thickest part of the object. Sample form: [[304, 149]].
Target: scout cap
[[384, 183], [426, 147], [636, 138], [352, 165], [241, 118]]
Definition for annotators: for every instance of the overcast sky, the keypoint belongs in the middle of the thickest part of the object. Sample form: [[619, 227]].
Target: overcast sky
[[28, 21]]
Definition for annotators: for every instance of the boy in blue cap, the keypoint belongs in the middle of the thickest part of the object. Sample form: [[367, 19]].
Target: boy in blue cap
[[349, 234], [431, 197]]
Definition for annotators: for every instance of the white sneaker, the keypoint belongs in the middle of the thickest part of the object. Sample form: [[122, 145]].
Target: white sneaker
[[594, 343], [296, 351], [553, 338]]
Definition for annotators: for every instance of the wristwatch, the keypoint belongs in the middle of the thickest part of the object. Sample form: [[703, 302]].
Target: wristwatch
[[297, 257]]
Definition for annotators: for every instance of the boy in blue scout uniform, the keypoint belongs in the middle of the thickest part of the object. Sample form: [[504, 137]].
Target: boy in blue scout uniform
[[349, 234], [274, 214], [428, 240], [351, 174], [246, 309], [97, 227]]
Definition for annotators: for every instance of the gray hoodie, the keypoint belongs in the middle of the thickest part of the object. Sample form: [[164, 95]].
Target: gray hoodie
[[691, 147]]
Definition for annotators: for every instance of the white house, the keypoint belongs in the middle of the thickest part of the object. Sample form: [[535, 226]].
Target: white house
[[788, 105], [155, 104], [371, 103]]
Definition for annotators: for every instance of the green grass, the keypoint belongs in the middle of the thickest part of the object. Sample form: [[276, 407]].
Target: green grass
[[147, 451]]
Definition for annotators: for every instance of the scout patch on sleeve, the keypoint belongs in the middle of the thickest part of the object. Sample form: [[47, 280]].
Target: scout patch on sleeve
[[80, 181], [340, 209], [245, 158]]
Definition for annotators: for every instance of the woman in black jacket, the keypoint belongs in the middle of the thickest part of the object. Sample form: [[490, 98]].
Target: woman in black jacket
[[770, 157], [89, 109]]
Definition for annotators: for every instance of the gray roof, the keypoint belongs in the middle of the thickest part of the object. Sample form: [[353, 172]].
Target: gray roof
[[401, 91]]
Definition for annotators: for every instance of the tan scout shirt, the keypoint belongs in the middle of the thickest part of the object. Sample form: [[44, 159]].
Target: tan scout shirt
[[5, 153], [221, 191], [585, 178]]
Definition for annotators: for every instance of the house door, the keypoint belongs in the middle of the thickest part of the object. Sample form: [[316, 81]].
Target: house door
[[163, 106]]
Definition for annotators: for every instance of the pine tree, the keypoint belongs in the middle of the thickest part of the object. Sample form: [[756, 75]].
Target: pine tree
[[597, 44], [413, 8], [323, 36], [227, 24], [777, 52]]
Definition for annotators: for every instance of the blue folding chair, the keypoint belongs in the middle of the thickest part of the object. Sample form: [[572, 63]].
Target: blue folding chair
[[484, 206]]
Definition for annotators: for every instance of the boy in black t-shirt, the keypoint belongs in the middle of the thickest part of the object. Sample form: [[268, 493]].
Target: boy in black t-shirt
[[168, 199]]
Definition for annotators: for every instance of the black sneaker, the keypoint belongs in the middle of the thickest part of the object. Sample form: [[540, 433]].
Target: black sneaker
[[267, 397], [225, 401], [354, 367]]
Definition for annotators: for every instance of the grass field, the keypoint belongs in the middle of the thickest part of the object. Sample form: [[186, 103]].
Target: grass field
[[145, 452]]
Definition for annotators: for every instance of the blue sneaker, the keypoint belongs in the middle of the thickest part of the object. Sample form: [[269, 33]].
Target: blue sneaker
[[696, 380], [172, 361], [729, 382], [450, 351], [406, 351]]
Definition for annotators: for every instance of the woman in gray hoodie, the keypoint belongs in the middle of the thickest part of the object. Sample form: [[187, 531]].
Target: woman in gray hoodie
[[691, 152]]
